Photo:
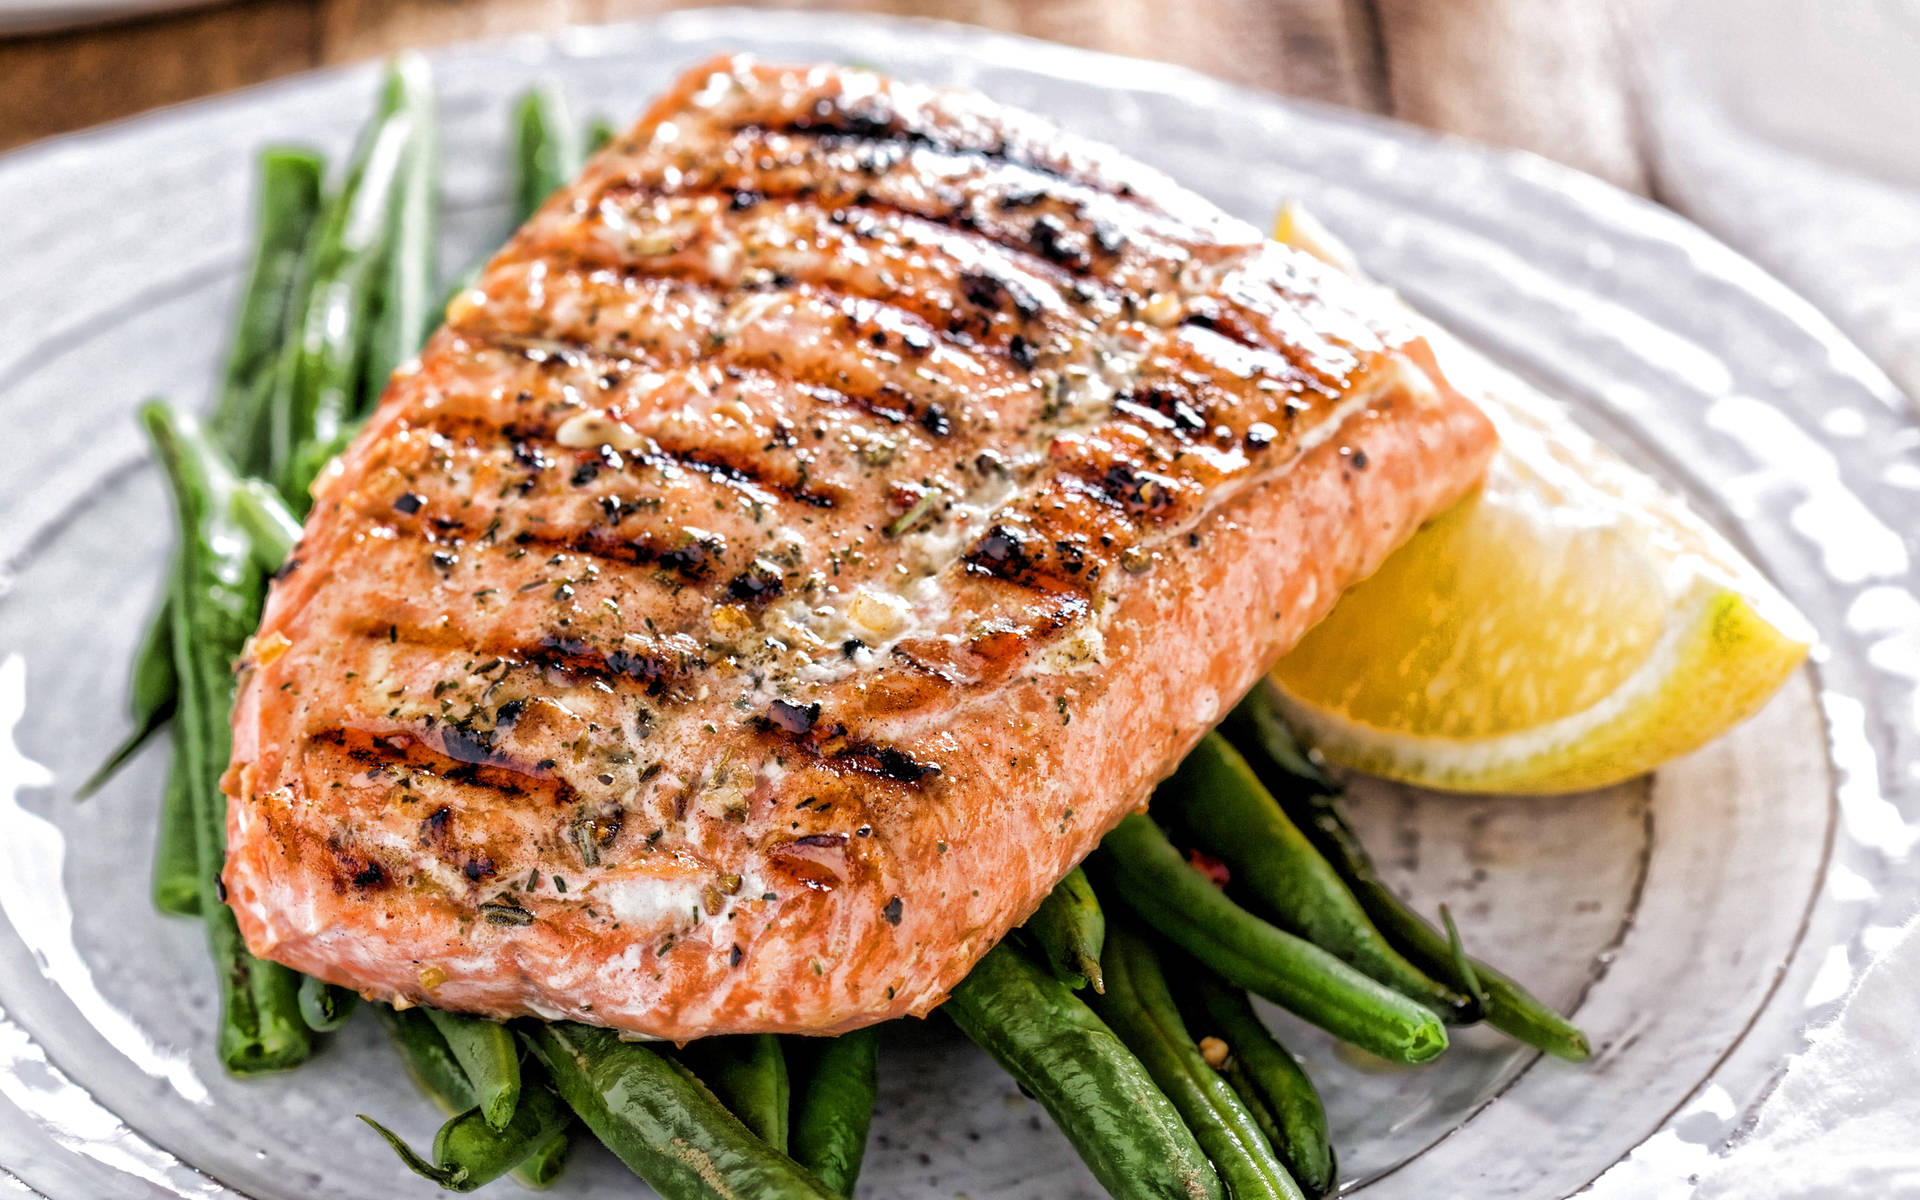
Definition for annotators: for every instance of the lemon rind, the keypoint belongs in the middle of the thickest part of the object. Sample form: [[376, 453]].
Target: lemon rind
[[1714, 666]]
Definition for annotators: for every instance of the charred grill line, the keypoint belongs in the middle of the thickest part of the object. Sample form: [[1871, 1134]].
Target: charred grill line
[[1047, 246], [837, 120], [354, 869], [738, 474], [536, 452], [576, 656], [405, 756], [889, 402], [833, 747], [975, 336]]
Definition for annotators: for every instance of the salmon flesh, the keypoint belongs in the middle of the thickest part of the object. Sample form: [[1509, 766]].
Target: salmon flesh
[[821, 523]]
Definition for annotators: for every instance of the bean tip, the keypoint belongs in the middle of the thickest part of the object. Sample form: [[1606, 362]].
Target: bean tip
[[1428, 1042], [1573, 1047]]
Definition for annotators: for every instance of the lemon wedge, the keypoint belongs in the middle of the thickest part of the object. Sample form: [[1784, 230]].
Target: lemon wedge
[[1569, 625]]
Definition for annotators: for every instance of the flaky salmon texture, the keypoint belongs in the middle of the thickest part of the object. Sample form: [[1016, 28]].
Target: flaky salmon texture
[[821, 523]]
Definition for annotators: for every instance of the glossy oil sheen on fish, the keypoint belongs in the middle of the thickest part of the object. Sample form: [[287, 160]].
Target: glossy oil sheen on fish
[[821, 523]]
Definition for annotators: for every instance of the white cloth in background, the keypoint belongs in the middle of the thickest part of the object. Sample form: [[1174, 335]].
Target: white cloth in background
[[1845, 1118], [1790, 129]]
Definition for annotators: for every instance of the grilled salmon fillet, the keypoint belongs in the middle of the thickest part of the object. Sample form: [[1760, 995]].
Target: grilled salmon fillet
[[822, 522]]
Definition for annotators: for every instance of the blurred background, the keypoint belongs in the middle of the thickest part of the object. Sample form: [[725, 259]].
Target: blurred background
[[1788, 127]]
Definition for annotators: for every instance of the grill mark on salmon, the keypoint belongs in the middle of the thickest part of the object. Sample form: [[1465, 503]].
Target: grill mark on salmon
[[407, 759], [841, 121], [1043, 244], [1190, 340], [875, 325], [547, 468], [590, 707], [655, 667], [955, 312], [1184, 410], [831, 745], [886, 400]]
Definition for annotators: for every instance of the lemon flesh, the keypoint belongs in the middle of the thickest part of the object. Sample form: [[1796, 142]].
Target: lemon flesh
[[1568, 625]]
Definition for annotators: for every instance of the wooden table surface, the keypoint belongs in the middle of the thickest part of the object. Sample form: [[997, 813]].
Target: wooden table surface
[[1544, 75]]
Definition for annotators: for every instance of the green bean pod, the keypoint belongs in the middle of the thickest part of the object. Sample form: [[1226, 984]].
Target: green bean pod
[[215, 599], [1071, 930], [428, 1058], [1125, 1129], [1153, 878], [1242, 1084], [151, 696], [319, 385], [1216, 797], [155, 683], [748, 1073], [835, 1084], [289, 198], [548, 149], [549, 1159], [436, 1072], [271, 529], [470, 1151], [662, 1121], [176, 860], [325, 1007], [1270, 1081], [487, 1052], [1138, 1006], [1256, 722], [1310, 799], [288, 204], [402, 311]]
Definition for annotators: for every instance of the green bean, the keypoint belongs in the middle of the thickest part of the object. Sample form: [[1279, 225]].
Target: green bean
[[155, 685], [748, 1074], [547, 149], [470, 1151], [216, 599], [1522, 1016], [145, 726], [488, 1054], [661, 1121], [835, 1082], [151, 697], [1270, 1081], [541, 1168], [1127, 1132], [428, 1057], [436, 1072], [1216, 798], [176, 860], [1242, 1085], [325, 1007], [1070, 930], [1153, 878], [271, 528], [288, 204], [402, 307], [1312, 801], [1256, 721], [1139, 1007], [289, 196], [318, 387]]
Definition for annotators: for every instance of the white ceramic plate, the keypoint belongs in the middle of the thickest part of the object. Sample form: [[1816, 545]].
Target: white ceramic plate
[[1697, 921]]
